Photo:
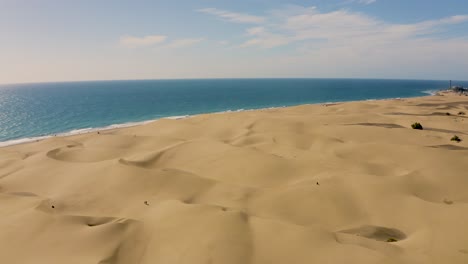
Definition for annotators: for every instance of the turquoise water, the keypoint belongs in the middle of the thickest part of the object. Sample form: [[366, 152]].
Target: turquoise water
[[35, 110]]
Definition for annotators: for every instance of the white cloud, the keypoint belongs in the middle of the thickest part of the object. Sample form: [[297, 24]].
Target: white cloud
[[353, 44], [269, 41], [146, 41], [367, 2], [291, 10], [183, 43], [255, 31], [232, 16], [264, 39], [455, 19], [133, 42], [339, 43], [341, 27], [364, 2]]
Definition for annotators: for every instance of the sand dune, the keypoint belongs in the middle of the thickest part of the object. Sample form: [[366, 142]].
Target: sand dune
[[342, 183]]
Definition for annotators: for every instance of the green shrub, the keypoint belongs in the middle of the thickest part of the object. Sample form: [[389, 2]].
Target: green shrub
[[390, 240], [455, 138], [417, 126]]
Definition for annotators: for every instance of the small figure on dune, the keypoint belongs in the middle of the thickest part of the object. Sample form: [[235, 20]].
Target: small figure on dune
[[99, 132], [53, 207], [318, 183], [146, 203]]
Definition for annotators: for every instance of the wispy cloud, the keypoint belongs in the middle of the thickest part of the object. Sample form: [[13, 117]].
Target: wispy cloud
[[367, 2], [355, 44], [339, 27], [255, 31], [363, 2], [263, 38], [134, 42], [156, 40], [183, 43], [233, 16]]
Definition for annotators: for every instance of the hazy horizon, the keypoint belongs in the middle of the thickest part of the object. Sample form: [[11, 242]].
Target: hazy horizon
[[66, 41], [454, 82]]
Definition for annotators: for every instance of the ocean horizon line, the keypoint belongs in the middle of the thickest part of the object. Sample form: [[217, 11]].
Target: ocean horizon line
[[226, 78]]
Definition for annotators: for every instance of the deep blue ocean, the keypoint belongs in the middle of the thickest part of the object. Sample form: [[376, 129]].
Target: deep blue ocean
[[36, 110]]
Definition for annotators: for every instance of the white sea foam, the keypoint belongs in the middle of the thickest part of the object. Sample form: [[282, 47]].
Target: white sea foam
[[176, 117], [430, 92], [251, 109], [85, 130], [21, 141], [72, 132]]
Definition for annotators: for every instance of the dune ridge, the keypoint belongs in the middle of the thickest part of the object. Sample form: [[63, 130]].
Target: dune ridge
[[342, 183]]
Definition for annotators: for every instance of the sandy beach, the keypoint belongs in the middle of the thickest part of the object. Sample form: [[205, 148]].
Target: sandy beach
[[339, 183]]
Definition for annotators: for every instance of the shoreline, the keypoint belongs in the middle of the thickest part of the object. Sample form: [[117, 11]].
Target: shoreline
[[81, 131]]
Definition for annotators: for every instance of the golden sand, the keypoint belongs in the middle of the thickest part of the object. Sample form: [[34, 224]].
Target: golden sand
[[343, 183]]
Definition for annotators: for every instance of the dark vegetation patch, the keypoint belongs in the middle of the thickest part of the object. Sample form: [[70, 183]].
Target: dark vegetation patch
[[417, 126]]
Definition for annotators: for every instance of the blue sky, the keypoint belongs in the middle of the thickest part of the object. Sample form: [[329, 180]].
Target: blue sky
[[66, 40]]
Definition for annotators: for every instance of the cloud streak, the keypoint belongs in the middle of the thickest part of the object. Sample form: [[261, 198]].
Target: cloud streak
[[340, 27], [233, 16], [363, 2], [367, 2], [184, 43], [156, 40], [135, 42]]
